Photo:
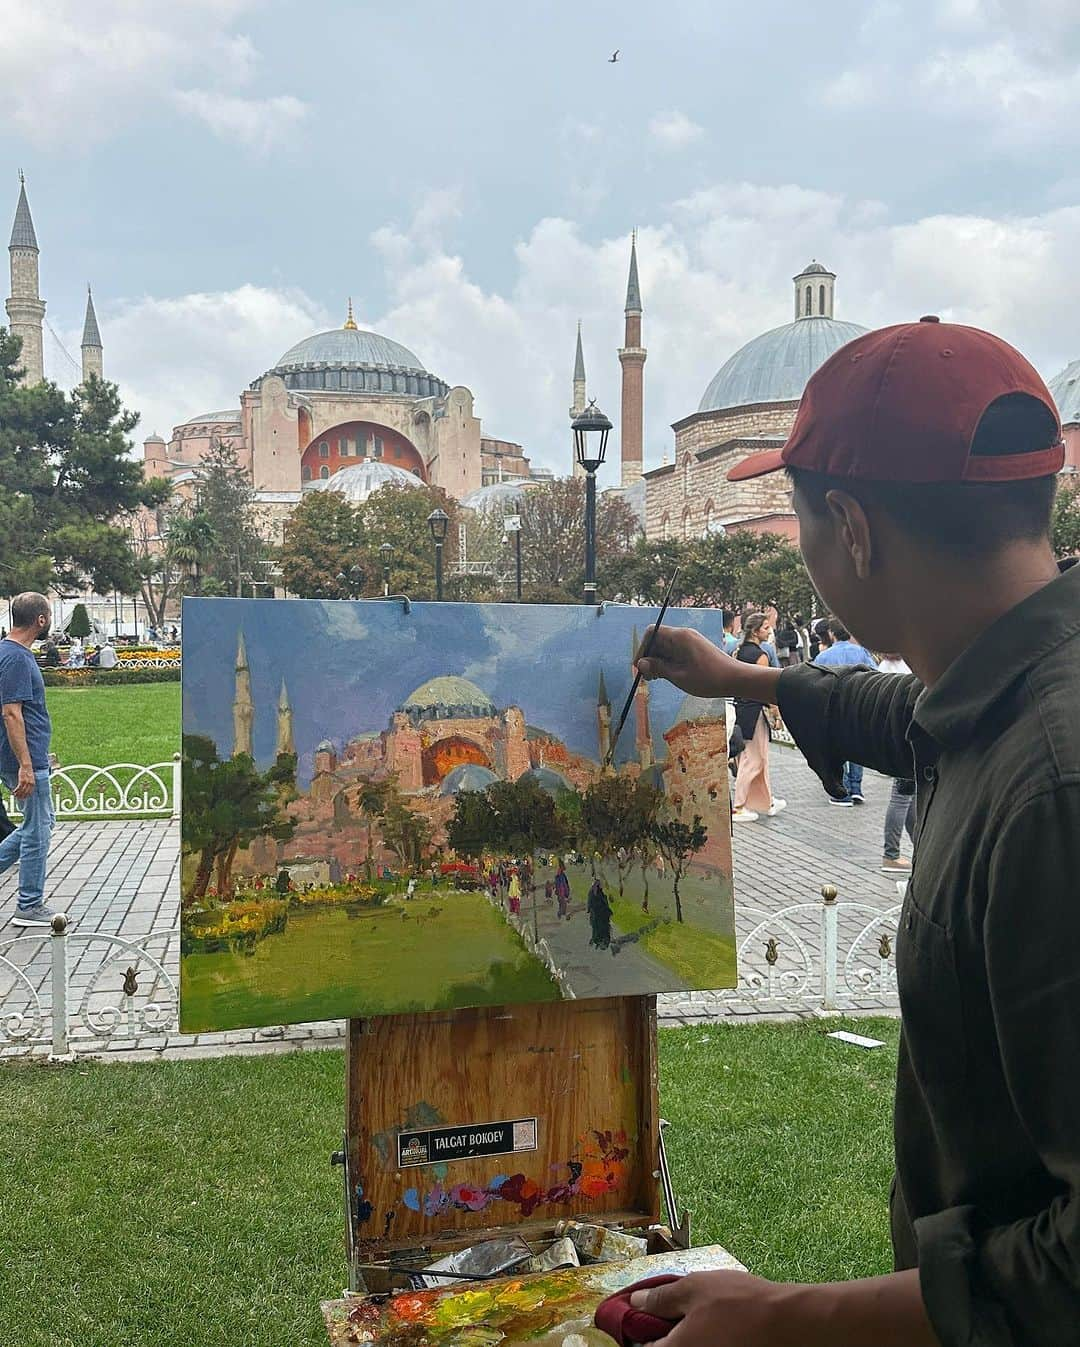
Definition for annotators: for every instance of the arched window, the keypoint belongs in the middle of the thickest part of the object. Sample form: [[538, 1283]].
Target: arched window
[[665, 527], [324, 449], [706, 528], [686, 525], [686, 475], [324, 472], [798, 302], [306, 473], [343, 447], [821, 299], [809, 301]]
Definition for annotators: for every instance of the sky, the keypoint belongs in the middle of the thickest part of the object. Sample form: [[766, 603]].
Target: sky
[[349, 666], [227, 172]]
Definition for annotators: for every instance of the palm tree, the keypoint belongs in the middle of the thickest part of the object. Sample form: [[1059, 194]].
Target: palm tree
[[188, 540]]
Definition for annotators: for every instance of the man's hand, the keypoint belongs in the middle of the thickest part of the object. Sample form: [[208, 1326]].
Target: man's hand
[[687, 659], [726, 1309], [26, 783]]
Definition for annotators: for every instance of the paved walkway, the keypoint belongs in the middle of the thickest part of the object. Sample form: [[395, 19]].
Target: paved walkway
[[120, 879]]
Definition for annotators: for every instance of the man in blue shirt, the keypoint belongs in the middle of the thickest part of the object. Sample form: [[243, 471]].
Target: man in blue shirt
[[846, 650], [731, 641], [25, 731]]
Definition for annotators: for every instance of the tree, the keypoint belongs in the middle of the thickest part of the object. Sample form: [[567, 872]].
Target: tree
[[324, 538], [67, 476], [553, 533], [405, 832], [235, 552], [79, 622], [678, 843], [780, 578], [398, 515], [1065, 527], [372, 799], [616, 815], [227, 804], [641, 574], [474, 827]]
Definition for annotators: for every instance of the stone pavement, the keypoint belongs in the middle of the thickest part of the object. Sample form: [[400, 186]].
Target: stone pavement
[[121, 879]]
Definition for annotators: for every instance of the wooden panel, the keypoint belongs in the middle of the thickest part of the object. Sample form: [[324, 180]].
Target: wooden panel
[[585, 1069]]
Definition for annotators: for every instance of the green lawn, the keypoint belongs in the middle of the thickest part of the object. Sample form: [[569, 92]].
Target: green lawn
[[329, 963], [192, 1203], [103, 725]]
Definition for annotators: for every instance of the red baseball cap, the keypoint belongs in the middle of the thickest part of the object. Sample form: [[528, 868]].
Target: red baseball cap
[[902, 404]]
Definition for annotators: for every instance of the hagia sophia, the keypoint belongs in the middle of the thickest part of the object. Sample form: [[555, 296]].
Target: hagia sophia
[[448, 736], [351, 410]]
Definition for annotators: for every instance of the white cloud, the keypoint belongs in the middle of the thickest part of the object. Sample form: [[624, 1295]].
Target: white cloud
[[716, 270], [257, 123], [674, 130], [68, 69]]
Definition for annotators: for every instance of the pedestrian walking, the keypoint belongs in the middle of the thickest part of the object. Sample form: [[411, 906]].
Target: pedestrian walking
[[753, 791], [900, 812], [24, 756], [844, 652], [923, 461]]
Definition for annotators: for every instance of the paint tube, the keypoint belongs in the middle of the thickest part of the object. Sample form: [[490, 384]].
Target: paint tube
[[600, 1244], [490, 1259], [562, 1253]]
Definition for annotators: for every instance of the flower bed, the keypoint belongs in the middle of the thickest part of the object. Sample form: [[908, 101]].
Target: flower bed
[[210, 927], [80, 678], [338, 895]]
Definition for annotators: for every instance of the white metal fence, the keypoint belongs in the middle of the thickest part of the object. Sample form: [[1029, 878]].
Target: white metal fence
[[121, 790]]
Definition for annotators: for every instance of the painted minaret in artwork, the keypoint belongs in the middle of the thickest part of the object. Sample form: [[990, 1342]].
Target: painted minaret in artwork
[[243, 706], [632, 358], [603, 718], [286, 743], [579, 402], [643, 742], [91, 341], [25, 307]]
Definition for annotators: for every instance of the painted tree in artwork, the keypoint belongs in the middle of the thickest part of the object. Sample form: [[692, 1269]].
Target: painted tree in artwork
[[679, 843], [617, 814], [474, 827], [407, 833], [227, 804]]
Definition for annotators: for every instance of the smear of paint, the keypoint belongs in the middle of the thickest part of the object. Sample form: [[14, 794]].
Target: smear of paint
[[411, 1198]]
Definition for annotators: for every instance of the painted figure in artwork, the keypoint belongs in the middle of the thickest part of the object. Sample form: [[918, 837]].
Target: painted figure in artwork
[[599, 910], [562, 890], [514, 893]]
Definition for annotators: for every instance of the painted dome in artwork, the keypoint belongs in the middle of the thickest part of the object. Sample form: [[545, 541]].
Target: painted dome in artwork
[[1065, 389], [469, 776], [359, 481], [448, 697], [548, 779], [701, 708]]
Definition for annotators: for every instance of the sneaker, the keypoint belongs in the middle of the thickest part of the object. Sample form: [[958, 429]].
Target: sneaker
[[857, 798], [895, 866], [845, 803], [743, 816], [775, 808], [38, 915]]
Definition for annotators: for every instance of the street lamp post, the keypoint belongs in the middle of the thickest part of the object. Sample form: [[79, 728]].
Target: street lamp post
[[438, 521], [591, 430], [512, 524], [386, 554]]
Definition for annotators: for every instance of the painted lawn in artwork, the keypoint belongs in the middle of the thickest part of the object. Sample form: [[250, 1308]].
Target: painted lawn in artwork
[[389, 811]]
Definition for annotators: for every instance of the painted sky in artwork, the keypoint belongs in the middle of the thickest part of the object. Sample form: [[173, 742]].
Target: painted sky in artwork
[[349, 665]]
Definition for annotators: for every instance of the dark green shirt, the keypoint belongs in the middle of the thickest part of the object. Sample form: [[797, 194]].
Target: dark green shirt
[[987, 1121]]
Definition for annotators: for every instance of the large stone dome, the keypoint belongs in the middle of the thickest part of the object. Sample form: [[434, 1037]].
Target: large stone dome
[[448, 697], [1065, 389], [775, 367], [359, 481], [498, 496], [344, 346]]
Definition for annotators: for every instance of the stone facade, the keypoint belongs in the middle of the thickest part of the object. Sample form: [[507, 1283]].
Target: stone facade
[[688, 498]]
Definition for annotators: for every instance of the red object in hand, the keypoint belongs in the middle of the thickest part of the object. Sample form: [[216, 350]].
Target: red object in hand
[[618, 1318]]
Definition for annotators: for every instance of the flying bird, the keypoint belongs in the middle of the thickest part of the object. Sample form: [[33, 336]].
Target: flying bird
[[614, 56]]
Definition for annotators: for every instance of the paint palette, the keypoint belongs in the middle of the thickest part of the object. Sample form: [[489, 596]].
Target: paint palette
[[547, 1308]]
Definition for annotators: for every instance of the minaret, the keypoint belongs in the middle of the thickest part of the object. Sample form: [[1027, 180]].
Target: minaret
[[579, 403], [243, 711], [814, 291], [632, 358], [91, 341], [643, 742], [25, 307], [603, 718], [285, 741]]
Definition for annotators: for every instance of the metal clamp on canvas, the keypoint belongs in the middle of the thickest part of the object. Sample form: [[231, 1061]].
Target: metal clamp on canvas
[[389, 811]]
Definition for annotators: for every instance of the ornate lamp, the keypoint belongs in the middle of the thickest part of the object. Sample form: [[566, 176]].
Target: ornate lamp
[[591, 430], [438, 522]]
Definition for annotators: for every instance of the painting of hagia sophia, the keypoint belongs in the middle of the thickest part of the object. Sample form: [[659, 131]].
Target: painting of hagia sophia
[[389, 811]]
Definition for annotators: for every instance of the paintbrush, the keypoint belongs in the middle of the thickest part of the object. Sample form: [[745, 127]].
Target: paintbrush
[[609, 757]]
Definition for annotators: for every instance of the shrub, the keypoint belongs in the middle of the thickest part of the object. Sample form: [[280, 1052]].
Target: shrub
[[79, 622], [239, 925], [81, 678]]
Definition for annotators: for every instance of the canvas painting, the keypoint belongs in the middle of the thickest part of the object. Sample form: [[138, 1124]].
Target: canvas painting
[[387, 811]]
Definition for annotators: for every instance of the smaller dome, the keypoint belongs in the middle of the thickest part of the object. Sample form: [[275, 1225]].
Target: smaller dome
[[469, 776], [815, 269], [547, 779], [497, 496], [362, 479], [449, 698], [232, 415], [1065, 390], [325, 747]]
